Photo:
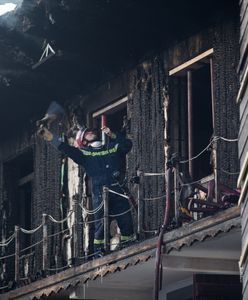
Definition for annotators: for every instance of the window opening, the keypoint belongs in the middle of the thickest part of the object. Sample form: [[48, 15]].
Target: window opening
[[115, 115], [18, 174], [202, 120], [194, 113], [116, 119]]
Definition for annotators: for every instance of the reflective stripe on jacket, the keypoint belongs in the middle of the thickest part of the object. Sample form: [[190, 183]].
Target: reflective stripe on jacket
[[100, 163]]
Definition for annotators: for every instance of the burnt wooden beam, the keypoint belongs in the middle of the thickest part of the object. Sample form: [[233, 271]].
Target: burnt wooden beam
[[190, 124], [201, 264], [17, 254], [26, 179], [189, 63]]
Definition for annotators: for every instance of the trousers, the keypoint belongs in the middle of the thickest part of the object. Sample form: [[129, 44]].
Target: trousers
[[117, 205]]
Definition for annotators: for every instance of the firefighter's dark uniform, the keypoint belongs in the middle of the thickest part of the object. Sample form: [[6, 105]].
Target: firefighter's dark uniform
[[101, 165]]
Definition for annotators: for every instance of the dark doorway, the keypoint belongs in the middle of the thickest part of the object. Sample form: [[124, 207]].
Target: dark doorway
[[202, 120], [217, 287], [192, 122], [18, 173]]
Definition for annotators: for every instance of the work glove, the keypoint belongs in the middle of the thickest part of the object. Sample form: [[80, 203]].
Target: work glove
[[108, 132], [45, 134]]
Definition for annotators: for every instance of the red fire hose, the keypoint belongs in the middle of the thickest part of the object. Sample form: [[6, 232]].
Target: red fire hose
[[158, 265]]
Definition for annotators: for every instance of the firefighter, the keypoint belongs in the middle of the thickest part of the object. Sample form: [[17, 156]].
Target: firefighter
[[103, 164]]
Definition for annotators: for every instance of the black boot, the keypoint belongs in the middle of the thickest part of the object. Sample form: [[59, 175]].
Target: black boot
[[98, 250]]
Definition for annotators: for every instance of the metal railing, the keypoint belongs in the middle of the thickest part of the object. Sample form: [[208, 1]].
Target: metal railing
[[21, 258]]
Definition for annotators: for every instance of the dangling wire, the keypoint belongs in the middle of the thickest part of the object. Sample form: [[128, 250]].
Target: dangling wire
[[214, 139]]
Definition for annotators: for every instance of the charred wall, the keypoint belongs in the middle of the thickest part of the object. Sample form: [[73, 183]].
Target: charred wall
[[147, 85], [34, 190], [225, 60], [47, 196], [223, 38]]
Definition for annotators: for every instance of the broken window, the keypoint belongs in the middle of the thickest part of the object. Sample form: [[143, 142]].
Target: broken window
[[192, 123]]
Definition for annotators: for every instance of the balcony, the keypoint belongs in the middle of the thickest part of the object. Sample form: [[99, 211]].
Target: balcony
[[192, 214]]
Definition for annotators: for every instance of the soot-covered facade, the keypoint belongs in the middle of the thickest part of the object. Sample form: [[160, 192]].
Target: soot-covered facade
[[178, 105]]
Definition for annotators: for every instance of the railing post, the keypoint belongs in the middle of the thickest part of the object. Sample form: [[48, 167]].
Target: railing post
[[140, 204], [190, 124], [106, 219], [216, 175], [215, 146], [176, 195], [44, 243], [17, 254], [75, 229]]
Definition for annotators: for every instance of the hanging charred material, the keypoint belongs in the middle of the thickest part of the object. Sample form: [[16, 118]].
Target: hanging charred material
[[46, 197], [145, 109], [225, 62]]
